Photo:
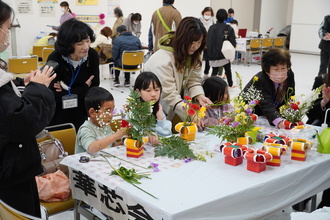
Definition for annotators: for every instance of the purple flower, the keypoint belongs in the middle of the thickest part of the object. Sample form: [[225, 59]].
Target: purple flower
[[114, 112], [249, 111], [155, 166], [226, 121], [187, 160], [253, 102], [234, 124]]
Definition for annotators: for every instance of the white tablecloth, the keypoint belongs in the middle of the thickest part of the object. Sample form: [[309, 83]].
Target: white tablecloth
[[198, 190]]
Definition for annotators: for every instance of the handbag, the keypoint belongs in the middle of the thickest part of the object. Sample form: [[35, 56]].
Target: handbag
[[228, 50], [52, 152], [53, 187]]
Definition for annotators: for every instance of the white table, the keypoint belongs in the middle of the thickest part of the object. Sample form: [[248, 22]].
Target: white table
[[198, 190]]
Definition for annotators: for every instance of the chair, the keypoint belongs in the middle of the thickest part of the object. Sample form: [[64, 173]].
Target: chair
[[22, 65], [67, 134], [254, 48], [279, 42], [45, 53], [37, 50], [8, 212], [267, 44], [130, 58]]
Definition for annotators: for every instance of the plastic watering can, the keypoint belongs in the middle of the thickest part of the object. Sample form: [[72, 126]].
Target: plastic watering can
[[324, 137]]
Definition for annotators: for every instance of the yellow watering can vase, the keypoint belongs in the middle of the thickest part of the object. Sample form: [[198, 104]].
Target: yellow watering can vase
[[324, 141]]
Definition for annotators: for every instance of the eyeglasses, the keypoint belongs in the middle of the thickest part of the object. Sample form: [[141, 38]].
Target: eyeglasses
[[279, 70]]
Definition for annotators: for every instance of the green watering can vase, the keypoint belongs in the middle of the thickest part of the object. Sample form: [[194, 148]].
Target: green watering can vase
[[324, 141]]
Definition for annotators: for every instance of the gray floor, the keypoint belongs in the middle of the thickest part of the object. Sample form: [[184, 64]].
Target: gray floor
[[305, 68]]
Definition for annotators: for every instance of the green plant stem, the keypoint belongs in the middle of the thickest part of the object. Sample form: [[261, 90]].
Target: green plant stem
[[123, 159]]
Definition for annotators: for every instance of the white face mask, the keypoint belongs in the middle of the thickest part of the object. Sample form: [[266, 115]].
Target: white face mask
[[63, 9], [136, 22], [278, 78], [207, 17], [6, 41]]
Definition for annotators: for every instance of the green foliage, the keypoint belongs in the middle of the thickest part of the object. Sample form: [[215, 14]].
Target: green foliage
[[129, 175], [140, 117], [174, 147]]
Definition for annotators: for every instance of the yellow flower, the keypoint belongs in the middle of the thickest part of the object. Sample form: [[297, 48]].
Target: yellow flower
[[255, 78], [201, 113], [184, 104]]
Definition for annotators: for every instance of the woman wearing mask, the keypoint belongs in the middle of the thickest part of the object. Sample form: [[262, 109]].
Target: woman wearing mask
[[207, 21], [67, 14], [22, 117], [275, 81], [133, 23]]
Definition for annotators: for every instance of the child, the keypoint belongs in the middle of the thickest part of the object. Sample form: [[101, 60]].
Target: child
[[150, 88], [96, 134], [216, 89]]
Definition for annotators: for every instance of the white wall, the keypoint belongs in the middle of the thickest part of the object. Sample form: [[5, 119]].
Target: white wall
[[31, 25], [306, 19]]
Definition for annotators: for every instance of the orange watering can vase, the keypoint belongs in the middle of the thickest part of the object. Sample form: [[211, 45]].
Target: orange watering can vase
[[299, 149], [233, 152], [134, 148], [188, 133]]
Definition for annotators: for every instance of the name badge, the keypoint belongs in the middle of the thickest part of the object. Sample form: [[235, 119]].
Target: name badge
[[70, 101]]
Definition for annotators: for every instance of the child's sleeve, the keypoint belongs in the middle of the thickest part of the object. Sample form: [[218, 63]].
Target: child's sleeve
[[163, 127]]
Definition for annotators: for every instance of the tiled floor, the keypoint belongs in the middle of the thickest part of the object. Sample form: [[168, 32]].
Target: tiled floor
[[305, 68]]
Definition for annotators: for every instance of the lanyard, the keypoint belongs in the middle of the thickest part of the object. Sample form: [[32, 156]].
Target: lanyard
[[73, 76]]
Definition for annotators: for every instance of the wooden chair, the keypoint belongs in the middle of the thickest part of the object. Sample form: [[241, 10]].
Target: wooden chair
[[9, 213], [22, 65], [67, 134], [267, 44], [130, 58], [254, 48], [279, 42], [45, 53]]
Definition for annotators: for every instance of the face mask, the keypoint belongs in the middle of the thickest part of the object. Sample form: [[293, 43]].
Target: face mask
[[63, 10], [136, 22], [278, 78], [207, 17], [6, 41]]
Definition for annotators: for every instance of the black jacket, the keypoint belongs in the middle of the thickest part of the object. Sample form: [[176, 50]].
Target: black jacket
[[325, 28], [21, 119], [90, 67], [215, 38], [267, 88], [316, 114]]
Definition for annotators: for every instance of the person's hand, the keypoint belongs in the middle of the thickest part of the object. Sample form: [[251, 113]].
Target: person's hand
[[325, 95], [326, 36], [200, 124], [204, 101], [159, 114], [153, 139], [89, 81], [42, 77], [58, 87], [281, 125]]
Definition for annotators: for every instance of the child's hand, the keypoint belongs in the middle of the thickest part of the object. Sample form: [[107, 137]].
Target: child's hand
[[159, 114], [153, 139]]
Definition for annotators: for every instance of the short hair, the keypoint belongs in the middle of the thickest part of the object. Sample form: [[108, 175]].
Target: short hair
[[274, 57], [221, 15], [233, 22], [143, 81], [136, 17], [231, 11], [121, 28], [118, 11], [106, 31], [71, 32], [95, 97], [168, 2], [208, 9], [190, 29], [214, 88]]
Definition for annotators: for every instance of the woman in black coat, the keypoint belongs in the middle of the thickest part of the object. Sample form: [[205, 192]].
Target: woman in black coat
[[22, 117]]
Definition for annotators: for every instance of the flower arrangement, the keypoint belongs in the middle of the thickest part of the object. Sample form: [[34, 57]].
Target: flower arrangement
[[191, 111], [239, 120], [140, 120], [296, 107]]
